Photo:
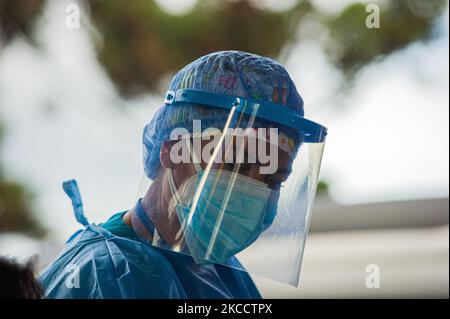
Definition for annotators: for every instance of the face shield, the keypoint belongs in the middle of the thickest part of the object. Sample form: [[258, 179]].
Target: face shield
[[240, 195]]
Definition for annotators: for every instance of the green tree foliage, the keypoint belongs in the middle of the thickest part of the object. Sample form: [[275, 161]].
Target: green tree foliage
[[17, 17], [401, 23], [322, 188], [142, 43], [16, 209]]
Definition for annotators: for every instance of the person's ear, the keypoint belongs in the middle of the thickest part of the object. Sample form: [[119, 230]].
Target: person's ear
[[164, 155]]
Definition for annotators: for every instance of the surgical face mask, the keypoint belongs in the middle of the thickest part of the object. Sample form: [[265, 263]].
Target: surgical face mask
[[225, 220]]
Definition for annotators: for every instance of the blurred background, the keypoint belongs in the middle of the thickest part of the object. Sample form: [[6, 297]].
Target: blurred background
[[74, 99]]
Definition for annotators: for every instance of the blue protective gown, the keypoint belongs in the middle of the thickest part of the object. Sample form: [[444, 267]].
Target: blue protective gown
[[111, 262]]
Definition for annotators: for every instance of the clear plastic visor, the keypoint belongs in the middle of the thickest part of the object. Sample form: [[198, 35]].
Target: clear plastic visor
[[239, 196]]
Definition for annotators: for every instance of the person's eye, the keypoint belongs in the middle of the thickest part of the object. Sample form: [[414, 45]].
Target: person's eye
[[244, 167]]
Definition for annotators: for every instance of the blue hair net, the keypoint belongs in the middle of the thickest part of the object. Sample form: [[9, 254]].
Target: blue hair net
[[231, 73]]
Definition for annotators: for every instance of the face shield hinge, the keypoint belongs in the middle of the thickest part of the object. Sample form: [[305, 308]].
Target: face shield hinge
[[170, 97]]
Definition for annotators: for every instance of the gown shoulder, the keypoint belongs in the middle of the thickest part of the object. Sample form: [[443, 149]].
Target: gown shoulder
[[98, 264]]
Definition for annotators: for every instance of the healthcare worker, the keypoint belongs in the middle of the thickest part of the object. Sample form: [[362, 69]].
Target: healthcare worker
[[231, 168]]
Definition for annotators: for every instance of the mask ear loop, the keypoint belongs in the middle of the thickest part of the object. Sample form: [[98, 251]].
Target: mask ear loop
[[173, 187], [175, 193], [177, 199], [171, 179]]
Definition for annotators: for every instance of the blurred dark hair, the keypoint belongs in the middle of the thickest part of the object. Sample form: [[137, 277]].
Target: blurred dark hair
[[17, 280]]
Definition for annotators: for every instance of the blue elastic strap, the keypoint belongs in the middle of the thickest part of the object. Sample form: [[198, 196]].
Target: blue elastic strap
[[72, 190], [148, 224], [310, 131], [140, 212]]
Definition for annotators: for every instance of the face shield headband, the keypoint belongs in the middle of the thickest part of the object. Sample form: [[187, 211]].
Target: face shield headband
[[307, 130]]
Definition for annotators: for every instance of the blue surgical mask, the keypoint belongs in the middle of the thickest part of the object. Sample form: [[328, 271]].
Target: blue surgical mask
[[232, 211]]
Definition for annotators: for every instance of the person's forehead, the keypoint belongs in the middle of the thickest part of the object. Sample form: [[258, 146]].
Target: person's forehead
[[250, 155], [246, 143]]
